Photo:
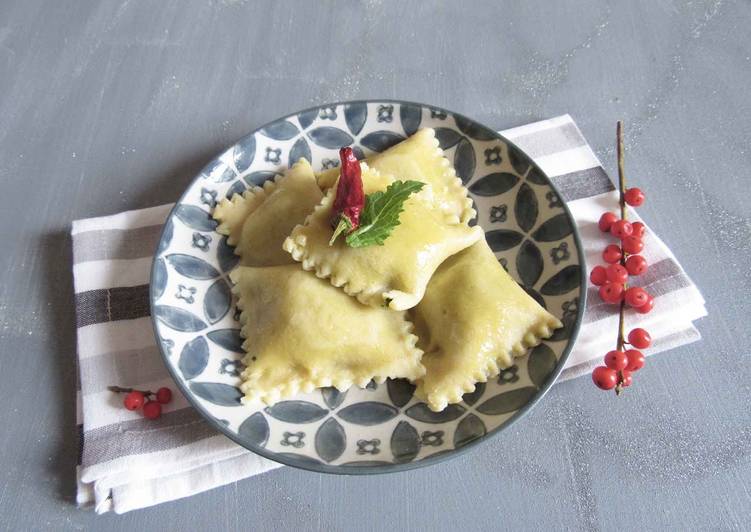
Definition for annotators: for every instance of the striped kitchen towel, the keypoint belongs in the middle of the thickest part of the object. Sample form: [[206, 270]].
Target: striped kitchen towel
[[127, 462]]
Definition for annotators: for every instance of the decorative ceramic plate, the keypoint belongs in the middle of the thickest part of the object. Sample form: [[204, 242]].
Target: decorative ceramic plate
[[381, 428]]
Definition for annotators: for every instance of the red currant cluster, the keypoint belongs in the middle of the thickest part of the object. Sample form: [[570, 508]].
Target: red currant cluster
[[135, 399], [623, 261], [619, 364]]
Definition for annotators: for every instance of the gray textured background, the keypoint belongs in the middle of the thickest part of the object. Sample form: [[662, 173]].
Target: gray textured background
[[113, 105]]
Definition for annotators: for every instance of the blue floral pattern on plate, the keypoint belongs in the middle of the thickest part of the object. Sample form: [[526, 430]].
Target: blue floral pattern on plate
[[382, 427]]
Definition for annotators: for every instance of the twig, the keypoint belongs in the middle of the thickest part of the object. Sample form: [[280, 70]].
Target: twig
[[621, 340]]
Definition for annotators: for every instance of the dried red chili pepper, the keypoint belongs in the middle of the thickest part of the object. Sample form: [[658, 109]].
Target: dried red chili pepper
[[350, 199]]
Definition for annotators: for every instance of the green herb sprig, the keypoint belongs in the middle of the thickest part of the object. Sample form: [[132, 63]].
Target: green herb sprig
[[381, 214]]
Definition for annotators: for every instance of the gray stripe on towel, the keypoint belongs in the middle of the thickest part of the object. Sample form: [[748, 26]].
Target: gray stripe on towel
[[141, 436], [548, 141], [115, 244], [663, 343], [661, 278], [129, 367], [79, 457], [112, 304], [583, 184]]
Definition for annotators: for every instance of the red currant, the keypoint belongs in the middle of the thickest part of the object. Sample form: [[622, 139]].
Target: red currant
[[639, 338], [638, 228], [636, 265], [636, 297], [616, 360], [611, 292], [635, 360], [598, 276], [634, 197], [627, 379], [152, 410], [612, 254], [632, 244], [133, 400], [606, 220], [621, 229], [605, 378], [646, 307], [617, 274], [164, 395]]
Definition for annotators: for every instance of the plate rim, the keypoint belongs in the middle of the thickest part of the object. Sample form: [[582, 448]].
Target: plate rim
[[394, 467]]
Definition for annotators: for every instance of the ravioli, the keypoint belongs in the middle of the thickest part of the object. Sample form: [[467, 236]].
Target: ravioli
[[302, 333], [258, 221], [420, 158], [394, 274], [472, 321]]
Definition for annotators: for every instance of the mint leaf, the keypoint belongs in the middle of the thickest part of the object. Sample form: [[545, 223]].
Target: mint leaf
[[381, 214]]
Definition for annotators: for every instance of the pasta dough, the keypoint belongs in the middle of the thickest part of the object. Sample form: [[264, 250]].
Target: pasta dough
[[420, 159], [473, 320], [394, 274], [258, 221], [302, 333]]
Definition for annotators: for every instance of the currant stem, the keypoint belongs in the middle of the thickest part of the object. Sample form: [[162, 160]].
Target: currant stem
[[622, 202], [120, 389], [621, 169]]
